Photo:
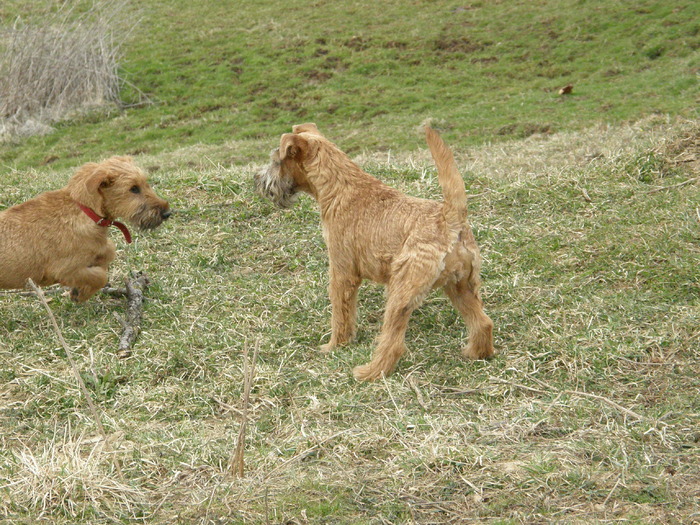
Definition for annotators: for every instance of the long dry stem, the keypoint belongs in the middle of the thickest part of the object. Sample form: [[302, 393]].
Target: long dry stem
[[237, 461]]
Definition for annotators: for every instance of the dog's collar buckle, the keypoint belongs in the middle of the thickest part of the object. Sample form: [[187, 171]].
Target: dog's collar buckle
[[105, 222]]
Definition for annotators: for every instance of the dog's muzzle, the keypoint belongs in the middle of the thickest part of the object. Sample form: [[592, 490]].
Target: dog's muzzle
[[274, 185], [149, 217]]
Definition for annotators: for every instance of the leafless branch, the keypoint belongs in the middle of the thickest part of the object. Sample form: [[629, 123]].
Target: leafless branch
[[136, 285], [237, 461]]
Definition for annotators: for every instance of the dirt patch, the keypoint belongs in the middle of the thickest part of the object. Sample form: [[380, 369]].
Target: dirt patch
[[457, 45], [394, 44], [357, 43], [318, 76], [524, 130], [484, 60]]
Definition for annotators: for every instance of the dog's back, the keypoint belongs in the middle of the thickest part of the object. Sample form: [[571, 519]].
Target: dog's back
[[29, 236], [15, 266]]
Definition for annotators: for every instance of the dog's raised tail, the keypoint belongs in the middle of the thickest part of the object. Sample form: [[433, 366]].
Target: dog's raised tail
[[455, 206]]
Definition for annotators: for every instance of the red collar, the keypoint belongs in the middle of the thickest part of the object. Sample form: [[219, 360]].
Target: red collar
[[101, 221]]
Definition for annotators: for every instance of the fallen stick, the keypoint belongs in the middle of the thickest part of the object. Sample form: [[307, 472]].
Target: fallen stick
[[25, 293], [114, 292], [549, 388], [131, 326], [663, 188], [237, 465], [308, 452]]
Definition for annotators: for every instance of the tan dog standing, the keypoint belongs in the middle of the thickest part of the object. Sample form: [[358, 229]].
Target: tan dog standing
[[61, 236], [375, 232]]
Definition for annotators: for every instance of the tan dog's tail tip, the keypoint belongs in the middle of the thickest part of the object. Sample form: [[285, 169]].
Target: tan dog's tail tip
[[450, 180]]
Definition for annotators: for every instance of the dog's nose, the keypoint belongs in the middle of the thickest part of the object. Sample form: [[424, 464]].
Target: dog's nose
[[165, 214]]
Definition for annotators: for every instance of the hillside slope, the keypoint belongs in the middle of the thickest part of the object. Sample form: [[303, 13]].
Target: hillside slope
[[372, 71]]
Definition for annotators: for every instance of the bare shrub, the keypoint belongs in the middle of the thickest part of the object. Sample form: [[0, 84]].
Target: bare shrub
[[56, 64]]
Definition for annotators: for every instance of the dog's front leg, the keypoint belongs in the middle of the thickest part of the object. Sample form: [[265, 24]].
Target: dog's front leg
[[410, 283], [343, 294], [85, 282]]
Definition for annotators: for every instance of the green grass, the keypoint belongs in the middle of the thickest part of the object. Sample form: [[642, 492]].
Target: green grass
[[588, 413], [240, 73], [585, 208]]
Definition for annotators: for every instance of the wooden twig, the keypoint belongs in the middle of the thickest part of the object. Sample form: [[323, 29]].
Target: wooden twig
[[452, 391], [135, 288], [24, 293], [517, 385], [308, 452], [611, 492], [550, 388], [611, 403], [419, 395], [237, 461], [114, 292], [656, 190], [76, 373], [650, 363]]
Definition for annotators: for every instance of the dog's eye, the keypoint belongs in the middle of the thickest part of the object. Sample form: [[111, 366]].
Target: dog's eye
[[135, 189]]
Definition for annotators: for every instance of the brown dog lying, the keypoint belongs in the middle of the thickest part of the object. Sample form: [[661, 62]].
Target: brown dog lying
[[61, 236]]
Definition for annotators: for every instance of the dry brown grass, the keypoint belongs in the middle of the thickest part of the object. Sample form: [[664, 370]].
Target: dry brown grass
[[588, 414], [55, 65]]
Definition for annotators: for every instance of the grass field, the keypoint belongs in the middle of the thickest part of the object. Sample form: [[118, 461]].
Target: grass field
[[217, 71], [586, 208]]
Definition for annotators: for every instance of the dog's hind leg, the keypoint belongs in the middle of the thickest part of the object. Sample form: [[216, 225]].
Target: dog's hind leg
[[468, 303]]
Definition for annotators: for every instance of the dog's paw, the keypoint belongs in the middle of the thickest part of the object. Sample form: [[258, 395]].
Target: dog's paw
[[80, 295], [326, 348], [478, 352], [367, 373]]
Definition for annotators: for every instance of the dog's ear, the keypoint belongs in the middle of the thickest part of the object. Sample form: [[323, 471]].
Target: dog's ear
[[100, 177], [292, 146], [309, 127], [84, 187]]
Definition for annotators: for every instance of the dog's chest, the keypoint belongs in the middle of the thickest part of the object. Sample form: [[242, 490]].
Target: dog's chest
[[364, 257]]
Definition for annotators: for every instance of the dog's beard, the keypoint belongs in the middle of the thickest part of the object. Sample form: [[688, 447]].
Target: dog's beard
[[277, 187], [147, 218]]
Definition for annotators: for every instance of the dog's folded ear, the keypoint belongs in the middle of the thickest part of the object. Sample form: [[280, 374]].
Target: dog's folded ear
[[84, 186], [292, 146], [309, 127], [99, 177]]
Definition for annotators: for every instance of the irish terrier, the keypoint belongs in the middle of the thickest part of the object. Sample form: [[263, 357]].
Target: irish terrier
[[373, 231], [61, 236]]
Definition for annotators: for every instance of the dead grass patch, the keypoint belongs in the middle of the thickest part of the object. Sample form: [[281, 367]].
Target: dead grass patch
[[588, 414]]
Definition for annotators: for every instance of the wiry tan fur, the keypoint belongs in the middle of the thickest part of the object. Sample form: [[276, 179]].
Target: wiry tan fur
[[373, 231], [51, 240]]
